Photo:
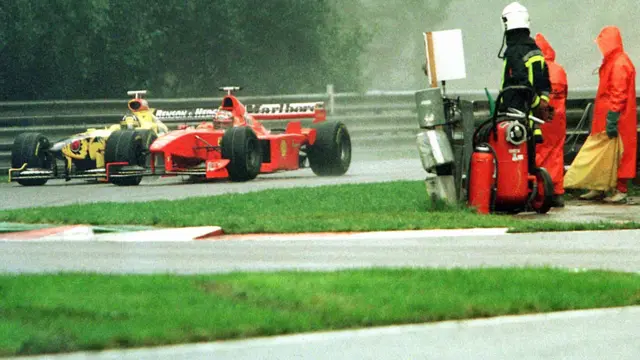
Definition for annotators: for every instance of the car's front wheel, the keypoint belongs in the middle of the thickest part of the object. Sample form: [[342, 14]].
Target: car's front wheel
[[241, 146], [330, 154], [31, 149], [129, 146]]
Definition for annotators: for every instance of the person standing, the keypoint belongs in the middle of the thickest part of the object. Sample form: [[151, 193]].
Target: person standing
[[550, 153], [523, 64], [615, 109]]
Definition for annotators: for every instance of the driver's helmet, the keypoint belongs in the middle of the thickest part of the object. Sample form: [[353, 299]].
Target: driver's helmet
[[223, 119], [138, 104], [129, 121]]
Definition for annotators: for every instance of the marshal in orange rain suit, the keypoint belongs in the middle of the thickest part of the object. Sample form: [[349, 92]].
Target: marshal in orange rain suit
[[550, 153], [615, 104]]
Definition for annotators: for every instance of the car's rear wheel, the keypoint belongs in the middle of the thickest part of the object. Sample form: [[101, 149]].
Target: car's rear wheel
[[241, 146], [132, 147], [31, 149], [330, 155]]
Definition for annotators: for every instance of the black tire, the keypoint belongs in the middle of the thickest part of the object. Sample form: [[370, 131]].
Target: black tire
[[31, 149], [131, 146], [543, 200], [241, 146], [330, 155], [148, 137]]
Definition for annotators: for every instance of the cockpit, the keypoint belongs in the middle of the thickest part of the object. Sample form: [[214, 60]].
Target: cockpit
[[222, 119]]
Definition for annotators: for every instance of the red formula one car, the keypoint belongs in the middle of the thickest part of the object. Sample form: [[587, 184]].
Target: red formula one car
[[233, 144]]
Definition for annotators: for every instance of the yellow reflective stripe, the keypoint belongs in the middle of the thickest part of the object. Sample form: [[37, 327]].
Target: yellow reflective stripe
[[537, 132], [533, 59], [536, 102], [530, 62], [545, 98]]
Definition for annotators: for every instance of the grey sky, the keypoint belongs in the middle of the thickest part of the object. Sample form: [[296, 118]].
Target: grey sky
[[569, 25]]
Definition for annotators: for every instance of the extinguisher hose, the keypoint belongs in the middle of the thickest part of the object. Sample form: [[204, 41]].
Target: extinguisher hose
[[481, 134]]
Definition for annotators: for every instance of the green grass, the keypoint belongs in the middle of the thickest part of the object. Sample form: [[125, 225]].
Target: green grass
[[70, 312], [401, 205]]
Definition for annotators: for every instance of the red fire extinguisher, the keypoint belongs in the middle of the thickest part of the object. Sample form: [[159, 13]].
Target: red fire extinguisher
[[510, 150], [503, 176], [481, 182]]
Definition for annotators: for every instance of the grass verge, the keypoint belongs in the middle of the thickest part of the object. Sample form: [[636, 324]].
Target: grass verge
[[400, 205], [70, 312]]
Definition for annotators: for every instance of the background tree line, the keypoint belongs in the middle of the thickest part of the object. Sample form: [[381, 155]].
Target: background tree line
[[74, 49]]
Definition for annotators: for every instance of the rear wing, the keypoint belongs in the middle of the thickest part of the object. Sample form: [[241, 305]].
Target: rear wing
[[286, 111]]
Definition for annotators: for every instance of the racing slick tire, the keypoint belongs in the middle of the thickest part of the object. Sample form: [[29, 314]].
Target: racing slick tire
[[148, 137], [330, 155], [241, 146], [543, 200], [31, 149], [131, 146]]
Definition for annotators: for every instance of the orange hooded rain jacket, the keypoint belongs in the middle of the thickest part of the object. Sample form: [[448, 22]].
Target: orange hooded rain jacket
[[550, 153], [617, 92]]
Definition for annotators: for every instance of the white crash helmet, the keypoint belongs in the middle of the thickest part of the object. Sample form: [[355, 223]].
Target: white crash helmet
[[223, 119], [515, 16]]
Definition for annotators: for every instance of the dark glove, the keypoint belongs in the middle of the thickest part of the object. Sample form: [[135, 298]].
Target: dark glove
[[542, 111], [612, 124], [551, 113]]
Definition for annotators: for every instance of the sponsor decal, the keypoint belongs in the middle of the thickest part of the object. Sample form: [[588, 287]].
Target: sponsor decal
[[76, 149], [88, 148], [283, 148], [299, 107], [215, 165], [308, 107], [194, 113]]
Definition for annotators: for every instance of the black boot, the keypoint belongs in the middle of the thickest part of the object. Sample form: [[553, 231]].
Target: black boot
[[557, 201]]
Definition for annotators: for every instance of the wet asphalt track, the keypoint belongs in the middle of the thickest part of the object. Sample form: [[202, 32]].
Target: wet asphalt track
[[592, 336], [60, 192], [613, 250]]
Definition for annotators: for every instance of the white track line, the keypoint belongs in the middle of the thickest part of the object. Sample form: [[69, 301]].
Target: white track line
[[373, 235]]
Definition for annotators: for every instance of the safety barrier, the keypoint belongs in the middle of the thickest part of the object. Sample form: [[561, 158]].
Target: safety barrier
[[378, 121]]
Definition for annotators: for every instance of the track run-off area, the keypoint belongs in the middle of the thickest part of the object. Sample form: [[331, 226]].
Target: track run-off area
[[573, 335]]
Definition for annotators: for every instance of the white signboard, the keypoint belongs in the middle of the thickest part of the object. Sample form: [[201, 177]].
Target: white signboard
[[444, 56]]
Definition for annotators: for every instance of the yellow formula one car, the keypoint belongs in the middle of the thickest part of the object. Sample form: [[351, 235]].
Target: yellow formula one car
[[33, 157]]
